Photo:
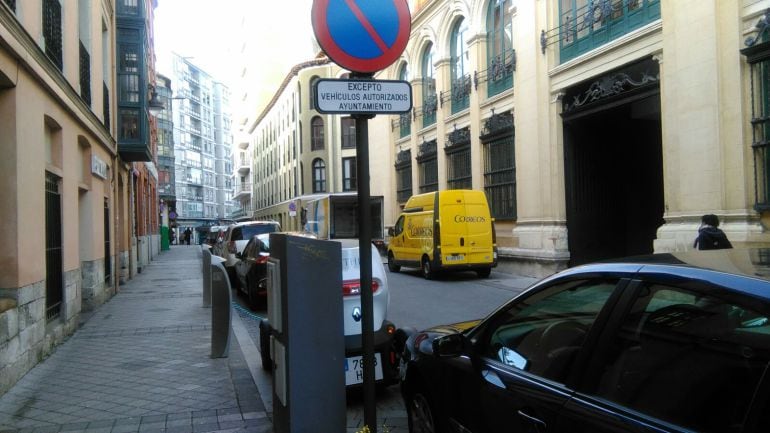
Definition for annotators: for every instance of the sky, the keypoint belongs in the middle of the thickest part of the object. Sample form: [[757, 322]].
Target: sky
[[208, 33]]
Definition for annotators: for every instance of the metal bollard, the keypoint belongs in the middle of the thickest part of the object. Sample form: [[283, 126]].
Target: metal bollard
[[221, 319], [206, 278]]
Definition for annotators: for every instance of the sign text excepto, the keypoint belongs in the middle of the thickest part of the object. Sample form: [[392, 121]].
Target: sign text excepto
[[363, 96]]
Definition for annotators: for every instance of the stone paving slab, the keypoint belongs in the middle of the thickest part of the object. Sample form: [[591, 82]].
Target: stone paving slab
[[141, 364]]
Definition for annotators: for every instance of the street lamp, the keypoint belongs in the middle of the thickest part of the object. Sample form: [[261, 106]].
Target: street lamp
[[154, 104]]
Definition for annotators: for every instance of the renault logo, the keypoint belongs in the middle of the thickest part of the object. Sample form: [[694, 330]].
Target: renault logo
[[357, 314]]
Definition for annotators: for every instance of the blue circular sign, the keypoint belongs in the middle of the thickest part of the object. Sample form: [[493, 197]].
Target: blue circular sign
[[362, 35]]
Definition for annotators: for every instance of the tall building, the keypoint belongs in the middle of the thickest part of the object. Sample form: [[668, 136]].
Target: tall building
[[137, 130], [71, 131], [202, 147], [166, 167]]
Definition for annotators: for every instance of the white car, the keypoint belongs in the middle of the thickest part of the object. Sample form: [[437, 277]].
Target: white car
[[235, 239], [386, 371]]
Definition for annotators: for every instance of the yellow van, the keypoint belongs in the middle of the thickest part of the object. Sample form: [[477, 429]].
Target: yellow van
[[444, 230]]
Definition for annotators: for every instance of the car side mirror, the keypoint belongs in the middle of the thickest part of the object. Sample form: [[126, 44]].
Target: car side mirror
[[391, 232], [449, 346], [239, 255]]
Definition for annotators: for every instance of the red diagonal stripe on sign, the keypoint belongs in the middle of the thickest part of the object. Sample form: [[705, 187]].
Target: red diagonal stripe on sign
[[367, 25]]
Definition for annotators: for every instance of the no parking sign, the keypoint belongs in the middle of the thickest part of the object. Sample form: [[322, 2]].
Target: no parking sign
[[362, 35]]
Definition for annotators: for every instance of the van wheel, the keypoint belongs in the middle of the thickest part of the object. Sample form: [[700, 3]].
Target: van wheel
[[484, 273], [392, 266], [427, 272]]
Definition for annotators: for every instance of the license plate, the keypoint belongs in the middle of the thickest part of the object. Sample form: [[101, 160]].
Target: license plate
[[354, 369], [455, 258]]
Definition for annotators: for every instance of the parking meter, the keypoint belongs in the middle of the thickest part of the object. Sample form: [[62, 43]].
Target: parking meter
[[307, 334]]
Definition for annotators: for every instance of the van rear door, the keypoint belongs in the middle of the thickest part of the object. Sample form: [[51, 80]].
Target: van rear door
[[466, 232]]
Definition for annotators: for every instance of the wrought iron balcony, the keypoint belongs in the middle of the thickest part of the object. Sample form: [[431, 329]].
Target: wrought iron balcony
[[581, 29], [459, 94], [499, 73]]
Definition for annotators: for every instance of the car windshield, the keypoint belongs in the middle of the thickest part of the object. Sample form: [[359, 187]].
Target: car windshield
[[247, 232]]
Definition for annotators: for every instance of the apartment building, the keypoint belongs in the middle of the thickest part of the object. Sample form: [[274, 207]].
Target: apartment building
[[202, 147], [297, 151], [598, 129]]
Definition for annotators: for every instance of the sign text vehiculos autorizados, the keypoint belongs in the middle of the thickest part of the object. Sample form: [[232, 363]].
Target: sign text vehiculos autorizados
[[363, 96]]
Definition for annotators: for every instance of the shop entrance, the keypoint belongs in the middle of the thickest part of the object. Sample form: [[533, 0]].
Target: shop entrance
[[614, 178]]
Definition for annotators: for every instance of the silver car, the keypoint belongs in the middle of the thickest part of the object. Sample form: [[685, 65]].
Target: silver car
[[386, 370]]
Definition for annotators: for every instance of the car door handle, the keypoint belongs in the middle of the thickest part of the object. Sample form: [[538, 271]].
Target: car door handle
[[539, 424]]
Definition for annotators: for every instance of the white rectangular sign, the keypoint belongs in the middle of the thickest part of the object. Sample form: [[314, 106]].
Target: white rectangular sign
[[363, 96]]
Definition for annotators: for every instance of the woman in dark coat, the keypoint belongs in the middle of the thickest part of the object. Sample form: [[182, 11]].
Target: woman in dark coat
[[710, 236]]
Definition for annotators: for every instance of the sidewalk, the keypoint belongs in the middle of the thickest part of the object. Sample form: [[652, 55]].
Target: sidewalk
[[140, 364]]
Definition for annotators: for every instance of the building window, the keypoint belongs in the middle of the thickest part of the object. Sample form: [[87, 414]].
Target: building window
[[500, 55], [757, 55], [319, 175], [405, 119], [429, 175], [459, 169], [11, 4], [500, 177], [461, 79], [588, 24], [53, 247], [85, 74], [129, 124], [348, 133], [429, 100], [129, 7], [403, 175], [317, 128], [313, 82], [52, 32], [349, 176]]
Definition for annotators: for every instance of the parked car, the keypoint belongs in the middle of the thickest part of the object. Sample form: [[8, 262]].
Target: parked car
[[386, 369], [665, 343], [235, 239], [214, 235], [251, 269]]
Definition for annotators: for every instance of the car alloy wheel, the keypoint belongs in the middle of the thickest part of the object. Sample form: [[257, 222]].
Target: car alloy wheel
[[420, 415]]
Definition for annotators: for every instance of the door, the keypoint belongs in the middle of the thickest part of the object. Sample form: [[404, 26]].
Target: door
[[528, 358], [684, 357]]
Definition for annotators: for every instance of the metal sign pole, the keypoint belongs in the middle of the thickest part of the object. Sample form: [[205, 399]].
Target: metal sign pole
[[365, 248]]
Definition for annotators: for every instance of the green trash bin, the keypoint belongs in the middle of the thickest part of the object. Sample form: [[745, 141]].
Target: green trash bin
[[164, 240]]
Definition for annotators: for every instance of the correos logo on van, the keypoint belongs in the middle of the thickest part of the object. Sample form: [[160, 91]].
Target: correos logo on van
[[469, 219]]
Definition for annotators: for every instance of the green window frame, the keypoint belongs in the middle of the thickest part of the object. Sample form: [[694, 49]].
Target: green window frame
[[500, 54], [587, 24], [461, 79], [405, 121], [429, 100]]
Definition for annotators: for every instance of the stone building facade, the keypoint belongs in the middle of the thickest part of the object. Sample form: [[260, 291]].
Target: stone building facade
[[598, 129]]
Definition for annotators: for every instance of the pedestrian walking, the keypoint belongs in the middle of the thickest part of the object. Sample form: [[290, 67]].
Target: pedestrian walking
[[172, 236], [710, 236], [187, 234]]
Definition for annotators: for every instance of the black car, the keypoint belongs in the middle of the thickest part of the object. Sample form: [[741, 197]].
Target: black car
[[666, 343], [251, 269]]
